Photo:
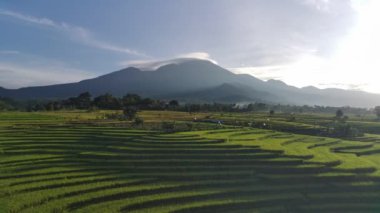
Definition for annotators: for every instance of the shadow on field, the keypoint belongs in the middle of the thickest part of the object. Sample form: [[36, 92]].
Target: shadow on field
[[192, 174]]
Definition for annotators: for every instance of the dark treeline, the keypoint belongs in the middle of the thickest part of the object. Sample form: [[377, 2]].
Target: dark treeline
[[107, 101], [85, 101], [7, 104]]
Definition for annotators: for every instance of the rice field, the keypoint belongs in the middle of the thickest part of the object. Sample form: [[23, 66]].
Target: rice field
[[50, 164]]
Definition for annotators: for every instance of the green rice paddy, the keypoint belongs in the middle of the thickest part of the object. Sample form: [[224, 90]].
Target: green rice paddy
[[49, 163]]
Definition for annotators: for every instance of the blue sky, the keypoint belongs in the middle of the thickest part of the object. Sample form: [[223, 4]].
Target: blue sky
[[45, 42]]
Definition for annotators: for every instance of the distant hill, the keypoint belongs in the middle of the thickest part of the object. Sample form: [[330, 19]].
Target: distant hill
[[200, 81], [226, 93]]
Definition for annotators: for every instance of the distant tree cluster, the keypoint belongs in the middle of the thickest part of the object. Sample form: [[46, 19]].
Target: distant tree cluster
[[264, 107], [340, 128], [377, 111], [109, 102], [85, 101], [7, 104], [307, 109], [105, 101]]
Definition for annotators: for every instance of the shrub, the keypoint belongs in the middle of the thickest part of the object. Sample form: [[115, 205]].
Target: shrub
[[138, 121], [168, 126], [343, 130], [130, 112], [377, 111], [113, 116], [190, 126]]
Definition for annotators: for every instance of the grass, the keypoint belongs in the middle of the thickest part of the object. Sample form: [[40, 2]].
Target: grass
[[76, 162]]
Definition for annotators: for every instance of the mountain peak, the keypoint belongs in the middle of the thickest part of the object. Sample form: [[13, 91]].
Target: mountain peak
[[120, 73], [310, 88], [130, 69], [276, 82], [201, 79], [194, 67]]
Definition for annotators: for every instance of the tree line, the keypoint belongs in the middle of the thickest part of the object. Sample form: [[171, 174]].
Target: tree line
[[107, 101], [85, 101]]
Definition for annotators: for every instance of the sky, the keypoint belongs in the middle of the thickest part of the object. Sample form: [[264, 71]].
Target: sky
[[322, 43]]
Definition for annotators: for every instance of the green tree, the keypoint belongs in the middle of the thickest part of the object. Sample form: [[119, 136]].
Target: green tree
[[168, 126], [345, 119], [3, 106], [50, 106], [83, 101], [339, 113], [377, 111], [130, 112], [107, 101], [39, 107], [173, 104], [147, 103], [343, 130], [193, 108], [131, 100], [7, 104], [138, 121]]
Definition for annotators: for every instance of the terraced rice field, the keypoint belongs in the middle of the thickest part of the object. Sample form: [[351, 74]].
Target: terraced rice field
[[47, 165]]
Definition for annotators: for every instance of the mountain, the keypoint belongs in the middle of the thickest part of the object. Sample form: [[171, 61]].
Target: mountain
[[200, 81], [226, 93]]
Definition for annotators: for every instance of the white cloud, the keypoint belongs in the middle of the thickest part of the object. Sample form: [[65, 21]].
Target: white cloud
[[322, 5], [9, 52], [261, 72], [77, 33], [151, 65], [145, 65], [16, 76], [198, 55], [348, 86]]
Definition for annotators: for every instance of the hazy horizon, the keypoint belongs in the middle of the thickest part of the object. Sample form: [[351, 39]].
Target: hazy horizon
[[321, 43]]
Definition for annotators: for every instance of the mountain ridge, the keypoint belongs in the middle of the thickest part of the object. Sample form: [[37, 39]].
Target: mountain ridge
[[190, 78]]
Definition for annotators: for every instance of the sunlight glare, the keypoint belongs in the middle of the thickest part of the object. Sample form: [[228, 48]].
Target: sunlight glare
[[357, 59], [356, 62]]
